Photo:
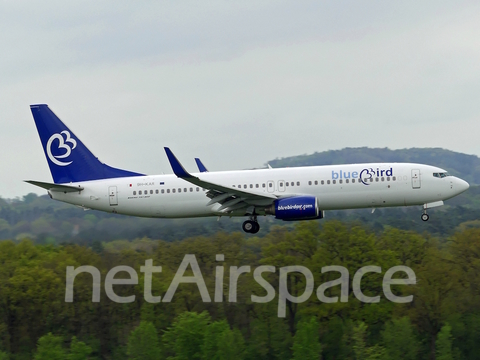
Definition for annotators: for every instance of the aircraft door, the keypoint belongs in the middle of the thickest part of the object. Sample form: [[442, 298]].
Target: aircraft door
[[112, 195], [281, 185], [270, 186], [416, 182]]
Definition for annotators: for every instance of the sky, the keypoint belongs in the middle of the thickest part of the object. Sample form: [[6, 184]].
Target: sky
[[235, 83]]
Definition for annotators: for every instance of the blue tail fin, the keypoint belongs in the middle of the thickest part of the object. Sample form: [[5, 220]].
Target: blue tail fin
[[69, 160]]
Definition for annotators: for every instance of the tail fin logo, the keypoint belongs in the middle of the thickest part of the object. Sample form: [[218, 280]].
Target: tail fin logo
[[67, 144]]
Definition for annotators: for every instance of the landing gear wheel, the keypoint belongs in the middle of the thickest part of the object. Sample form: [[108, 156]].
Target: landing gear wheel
[[250, 226], [425, 217]]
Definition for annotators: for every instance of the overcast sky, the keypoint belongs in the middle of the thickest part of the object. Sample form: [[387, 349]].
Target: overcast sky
[[235, 83]]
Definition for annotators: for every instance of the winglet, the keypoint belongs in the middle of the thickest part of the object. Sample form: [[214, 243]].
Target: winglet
[[177, 168], [200, 165]]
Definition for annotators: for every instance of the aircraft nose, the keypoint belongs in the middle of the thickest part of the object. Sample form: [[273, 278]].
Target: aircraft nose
[[461, 185]]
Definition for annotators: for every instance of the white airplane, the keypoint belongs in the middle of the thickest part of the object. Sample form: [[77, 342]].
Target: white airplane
[[301, 193]]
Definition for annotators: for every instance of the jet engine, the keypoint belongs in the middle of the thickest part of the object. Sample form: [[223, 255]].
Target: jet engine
[[295, 208]]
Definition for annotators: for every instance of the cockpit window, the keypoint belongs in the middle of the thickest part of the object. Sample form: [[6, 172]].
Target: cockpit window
[[441, 175]]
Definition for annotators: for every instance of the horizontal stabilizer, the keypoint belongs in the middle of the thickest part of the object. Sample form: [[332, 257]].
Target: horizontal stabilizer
[[55, 187]]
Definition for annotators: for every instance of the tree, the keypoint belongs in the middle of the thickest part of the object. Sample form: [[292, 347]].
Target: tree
[[399, 340], [143, 342], [270, 337], [231, 345], [287, 248], [436, 295], [79, 350], [306, 344], [334, 339], [50, 348], [358, 337], [184, 339], [360, 349], [444, 343], [211, 339]]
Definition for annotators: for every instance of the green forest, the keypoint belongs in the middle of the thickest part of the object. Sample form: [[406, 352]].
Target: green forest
[[442, 321], [40, 238]]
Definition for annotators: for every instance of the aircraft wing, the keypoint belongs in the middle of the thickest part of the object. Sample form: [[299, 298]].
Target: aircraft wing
[[230, 198]]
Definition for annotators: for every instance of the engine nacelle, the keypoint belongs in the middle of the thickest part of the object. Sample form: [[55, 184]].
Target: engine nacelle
[[295, 208]]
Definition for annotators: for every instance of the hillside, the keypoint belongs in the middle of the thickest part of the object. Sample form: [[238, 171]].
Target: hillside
[[462, 165]]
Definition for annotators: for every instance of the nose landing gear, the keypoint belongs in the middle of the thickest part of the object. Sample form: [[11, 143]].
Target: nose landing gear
[[251, 226], [425, 216]]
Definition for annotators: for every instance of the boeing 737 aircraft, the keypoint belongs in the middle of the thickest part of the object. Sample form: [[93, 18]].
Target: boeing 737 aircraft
[[300, 193]]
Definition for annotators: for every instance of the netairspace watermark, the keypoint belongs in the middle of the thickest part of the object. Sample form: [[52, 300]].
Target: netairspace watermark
[[283, 293]]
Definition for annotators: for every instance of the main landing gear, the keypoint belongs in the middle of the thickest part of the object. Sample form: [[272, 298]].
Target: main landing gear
[[251, 226]]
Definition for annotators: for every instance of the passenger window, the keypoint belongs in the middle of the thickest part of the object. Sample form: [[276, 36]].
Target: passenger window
[[309, 183], [388, 178], [346, 181], [151, 192], [383, 179], [298, 183], [168, 191], [239, 186], [280, 184], [198, 189], [353, 180], [251, 186], [292, 183], [163, 191], [256, 185], [316, 182], [184, 189], [334, 181], [323, 182], [179, 190], [328, 182], [134, 193], [156, 191], [263, 185], [245, 186], [140, 192], [173, 191], [286, 183], [394, 178], [270, 185], [371, 179], [191, 189], [340, 181]]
